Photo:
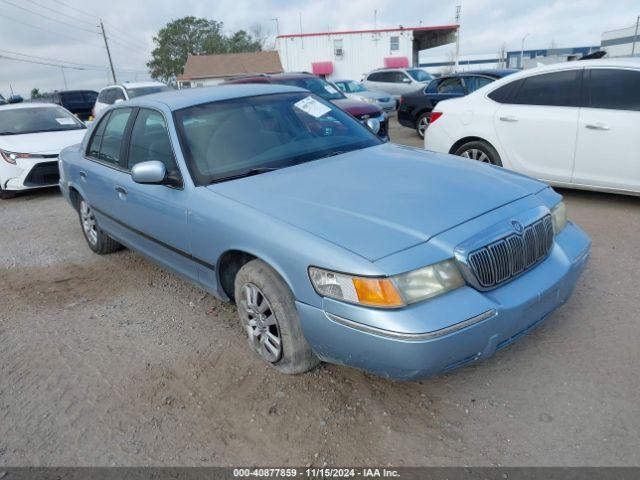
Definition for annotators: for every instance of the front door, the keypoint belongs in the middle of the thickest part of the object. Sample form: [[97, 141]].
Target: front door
[[537, 129]]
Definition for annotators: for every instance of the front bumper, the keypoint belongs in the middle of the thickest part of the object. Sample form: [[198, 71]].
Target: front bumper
[[477, 323], [30, 173]]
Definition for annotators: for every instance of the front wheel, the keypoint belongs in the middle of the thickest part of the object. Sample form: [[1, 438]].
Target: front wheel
[[98, 241], [270, 320], [479, 151]]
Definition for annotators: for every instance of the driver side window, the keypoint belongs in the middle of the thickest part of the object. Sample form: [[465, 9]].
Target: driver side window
[[150, 140]]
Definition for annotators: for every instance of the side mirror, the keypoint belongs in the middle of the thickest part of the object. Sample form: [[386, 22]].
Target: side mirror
[[406, 80], [153, 172], [118, 100], [373, 124]]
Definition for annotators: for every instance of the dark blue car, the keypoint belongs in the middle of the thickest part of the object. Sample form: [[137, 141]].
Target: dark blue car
[[415, 108]]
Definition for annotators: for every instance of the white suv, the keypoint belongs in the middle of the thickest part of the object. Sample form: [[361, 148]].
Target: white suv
[[574, 124], [124, 91], [397, 81]]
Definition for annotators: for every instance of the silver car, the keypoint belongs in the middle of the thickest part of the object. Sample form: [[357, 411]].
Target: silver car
[[358, 91], [397, 81]]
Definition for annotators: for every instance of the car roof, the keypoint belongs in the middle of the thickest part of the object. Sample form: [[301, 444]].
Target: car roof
[[178, 99], [621, 62], [76, 91], [135, 85], [16, 106], [491, 72]]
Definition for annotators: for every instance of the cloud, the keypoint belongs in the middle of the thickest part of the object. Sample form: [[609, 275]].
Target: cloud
[[486, 26]]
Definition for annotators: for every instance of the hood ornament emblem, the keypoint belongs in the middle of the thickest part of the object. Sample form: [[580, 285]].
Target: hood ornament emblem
[[517, 226]]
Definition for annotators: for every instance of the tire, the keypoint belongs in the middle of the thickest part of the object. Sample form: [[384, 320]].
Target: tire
[[480, 151], [98, 241], [422, 123], [267, 310], [7, 194]]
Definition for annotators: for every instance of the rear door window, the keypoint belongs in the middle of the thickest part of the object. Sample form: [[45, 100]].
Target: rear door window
[[450, 86], [557, 89], [613, 89], [111, 136], [474, 82], [107, 96], [96, 140]]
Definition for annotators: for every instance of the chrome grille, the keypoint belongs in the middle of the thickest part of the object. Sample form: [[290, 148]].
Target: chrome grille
[[510, 256]]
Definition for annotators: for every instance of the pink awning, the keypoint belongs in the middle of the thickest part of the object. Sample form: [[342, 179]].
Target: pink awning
[[396, 62], [322, 68]]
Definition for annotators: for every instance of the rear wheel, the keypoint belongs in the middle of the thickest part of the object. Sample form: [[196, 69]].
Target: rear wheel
[[422, 123], [479, 151], [270, 320], [98, 241]]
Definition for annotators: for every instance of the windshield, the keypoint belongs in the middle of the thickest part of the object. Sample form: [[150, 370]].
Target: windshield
[[420, 75], [352, 87], [227, 139], [37, 119], [140, 91], [315, 85]]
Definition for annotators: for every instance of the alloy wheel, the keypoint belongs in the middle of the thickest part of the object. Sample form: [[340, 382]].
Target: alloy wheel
[[88, 223], [423, 123], [260, 323], [476, 154]]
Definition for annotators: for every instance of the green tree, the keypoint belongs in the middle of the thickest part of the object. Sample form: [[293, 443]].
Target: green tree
[[35, 93], [191, 35]]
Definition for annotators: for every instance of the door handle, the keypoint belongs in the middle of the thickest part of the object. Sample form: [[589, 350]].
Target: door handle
[[597, 126], [121, 190], [83, 175], [508, 119]]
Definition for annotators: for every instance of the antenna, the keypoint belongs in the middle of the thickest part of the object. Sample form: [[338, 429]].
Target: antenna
[[458, 9]]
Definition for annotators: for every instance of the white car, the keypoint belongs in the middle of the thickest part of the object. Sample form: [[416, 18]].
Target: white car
[[397, 81], [358, 91], [574, 124], [31, 137], [125, 91]]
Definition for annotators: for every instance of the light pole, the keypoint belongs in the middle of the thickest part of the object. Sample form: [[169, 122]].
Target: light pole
[[635, 36], [522, 52], [277, 25]]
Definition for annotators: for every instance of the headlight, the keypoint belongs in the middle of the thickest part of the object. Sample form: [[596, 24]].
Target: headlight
[[559, 217], [10, 157], [388, 292], [368, 99]]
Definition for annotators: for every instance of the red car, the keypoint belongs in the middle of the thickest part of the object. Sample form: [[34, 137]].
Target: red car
[[361, 110]]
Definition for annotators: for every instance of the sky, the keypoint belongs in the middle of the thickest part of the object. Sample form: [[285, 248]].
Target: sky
[[62, 31]]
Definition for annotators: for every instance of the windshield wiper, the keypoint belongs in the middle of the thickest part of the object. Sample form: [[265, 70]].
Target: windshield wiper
[[246, 173], [8, 133], [333, 154]]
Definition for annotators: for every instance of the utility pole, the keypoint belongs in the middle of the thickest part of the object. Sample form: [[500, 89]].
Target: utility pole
[[522, 51], [458, 8], [635, 36], [277, 25], [106, 44], [301, 37], [64, 77]]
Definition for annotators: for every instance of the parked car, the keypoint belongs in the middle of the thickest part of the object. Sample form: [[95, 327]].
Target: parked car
[[31, 136], [125, 91], [3, 101], [334, 245], [363, 111], [397, 81], [573, 124], [415, 108], [78, 102], [358, 91]]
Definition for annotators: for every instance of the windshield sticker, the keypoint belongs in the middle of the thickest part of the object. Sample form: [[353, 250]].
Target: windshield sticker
[[65, 121], [311, 106], [329, 88]]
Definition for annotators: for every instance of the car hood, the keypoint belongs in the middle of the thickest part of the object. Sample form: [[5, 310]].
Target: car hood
[[370, 94], [357, 108], [44, 143], [380, 200]]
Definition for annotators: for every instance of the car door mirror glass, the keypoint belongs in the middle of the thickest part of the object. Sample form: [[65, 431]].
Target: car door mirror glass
[[153, 172], [373, 124]]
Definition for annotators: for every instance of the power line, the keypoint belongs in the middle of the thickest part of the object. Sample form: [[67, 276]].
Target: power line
[[48, 17], [70, 67], [41, 29], [49, 58], [61, 14], [77, 9]]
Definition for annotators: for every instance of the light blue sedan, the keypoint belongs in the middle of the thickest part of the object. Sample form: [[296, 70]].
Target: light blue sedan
[[334, 245]]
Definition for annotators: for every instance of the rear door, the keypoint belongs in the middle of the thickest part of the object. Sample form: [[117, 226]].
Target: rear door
[[380, 81], [537, 127], [608, 151]]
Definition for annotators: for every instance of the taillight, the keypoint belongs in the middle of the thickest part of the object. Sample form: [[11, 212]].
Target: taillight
[[434, 116], [400, 100]]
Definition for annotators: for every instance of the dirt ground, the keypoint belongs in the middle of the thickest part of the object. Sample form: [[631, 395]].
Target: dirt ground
[[109, 360]]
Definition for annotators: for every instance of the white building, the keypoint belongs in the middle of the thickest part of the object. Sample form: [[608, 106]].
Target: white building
[[351, 54], [622, 42]]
